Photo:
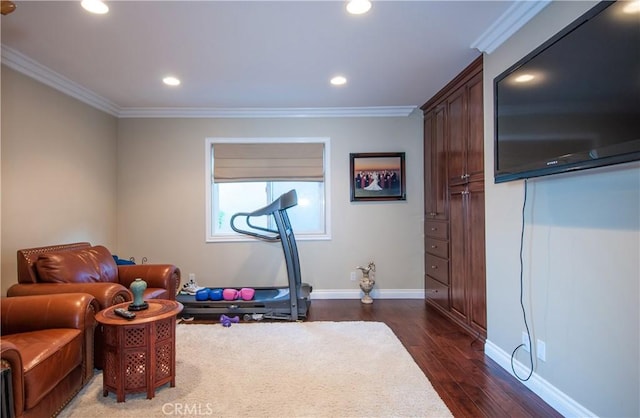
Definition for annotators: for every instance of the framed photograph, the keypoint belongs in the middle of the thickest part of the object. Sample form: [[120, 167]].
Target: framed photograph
[[377, 176]]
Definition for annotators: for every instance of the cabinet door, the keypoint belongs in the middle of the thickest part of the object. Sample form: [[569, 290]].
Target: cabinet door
[[475, 131], [435, 187], [456, 143], [429, 200], [457, 253], [439, 166], [476, 279]]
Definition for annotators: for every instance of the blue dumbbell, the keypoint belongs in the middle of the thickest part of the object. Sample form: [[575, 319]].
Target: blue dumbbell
[[202, 294], [215, 294]]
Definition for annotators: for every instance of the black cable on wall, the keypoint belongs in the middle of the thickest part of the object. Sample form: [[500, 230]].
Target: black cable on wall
[[524, 313]]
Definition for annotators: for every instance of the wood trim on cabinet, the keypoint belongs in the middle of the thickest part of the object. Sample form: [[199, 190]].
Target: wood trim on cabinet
[[454, 223]]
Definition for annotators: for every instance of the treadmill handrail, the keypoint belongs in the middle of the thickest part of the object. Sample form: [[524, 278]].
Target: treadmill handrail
[[285, 201], [254, 234]]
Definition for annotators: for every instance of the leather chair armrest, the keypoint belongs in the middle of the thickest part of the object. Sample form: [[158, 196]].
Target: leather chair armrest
[[164, 276], [38, 312], [106, 294], [10, 358]]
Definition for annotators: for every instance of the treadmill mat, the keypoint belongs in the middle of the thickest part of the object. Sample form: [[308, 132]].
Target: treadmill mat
[[262, 295]]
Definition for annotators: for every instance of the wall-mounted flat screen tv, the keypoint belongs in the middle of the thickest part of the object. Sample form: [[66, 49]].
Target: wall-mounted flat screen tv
[[574, 102]]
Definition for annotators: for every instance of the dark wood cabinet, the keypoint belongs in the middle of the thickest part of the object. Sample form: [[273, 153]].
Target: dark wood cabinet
[[455, 279]]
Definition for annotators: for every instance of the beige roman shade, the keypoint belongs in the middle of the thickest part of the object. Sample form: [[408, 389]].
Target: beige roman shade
[[235, 162]]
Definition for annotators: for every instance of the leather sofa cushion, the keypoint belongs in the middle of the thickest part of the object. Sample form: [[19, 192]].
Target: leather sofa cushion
[[85, 265], [48, 356]]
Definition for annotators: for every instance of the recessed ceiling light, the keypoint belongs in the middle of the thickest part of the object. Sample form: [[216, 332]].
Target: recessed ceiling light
[[338, 80], [95, 6], [358, 7], [632, 7], [171, 81], [524, 78]]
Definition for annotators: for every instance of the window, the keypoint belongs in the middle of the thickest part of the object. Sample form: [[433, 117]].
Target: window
[[246, 174]]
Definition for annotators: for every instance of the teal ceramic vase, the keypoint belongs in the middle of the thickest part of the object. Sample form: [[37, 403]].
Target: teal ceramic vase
[[137, 287]]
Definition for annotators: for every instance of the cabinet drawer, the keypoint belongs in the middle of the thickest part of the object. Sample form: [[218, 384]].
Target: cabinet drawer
[[437, 292], [438, 268], [437, 247], [436, 229]]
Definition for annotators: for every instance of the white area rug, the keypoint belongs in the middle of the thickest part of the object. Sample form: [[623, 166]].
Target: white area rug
[[299, 369]]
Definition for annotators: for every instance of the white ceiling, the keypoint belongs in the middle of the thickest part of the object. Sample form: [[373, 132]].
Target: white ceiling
[[250, 54]]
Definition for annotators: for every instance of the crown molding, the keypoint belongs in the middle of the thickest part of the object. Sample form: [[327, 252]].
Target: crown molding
[[308, 112], [511, 20], [25, 65], [31, 68]]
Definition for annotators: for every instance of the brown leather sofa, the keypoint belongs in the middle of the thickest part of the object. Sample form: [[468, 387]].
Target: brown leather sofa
[[81, 267], [47, 344]]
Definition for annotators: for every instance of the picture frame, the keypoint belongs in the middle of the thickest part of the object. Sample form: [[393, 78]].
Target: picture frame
[[377, 176]]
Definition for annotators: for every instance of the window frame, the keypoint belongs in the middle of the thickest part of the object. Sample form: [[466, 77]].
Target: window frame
[[210, 181]]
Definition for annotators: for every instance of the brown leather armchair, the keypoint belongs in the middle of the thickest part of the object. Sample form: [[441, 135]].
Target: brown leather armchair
[[47, 344], [81, 267]]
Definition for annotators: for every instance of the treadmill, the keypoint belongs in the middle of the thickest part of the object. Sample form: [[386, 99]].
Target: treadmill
[[286, 302]]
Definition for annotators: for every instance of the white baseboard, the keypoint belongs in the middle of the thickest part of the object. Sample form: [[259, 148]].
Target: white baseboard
[[562, 403], [375, 294]]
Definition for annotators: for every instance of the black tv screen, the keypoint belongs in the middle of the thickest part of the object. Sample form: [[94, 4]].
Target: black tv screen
[[574, 102]]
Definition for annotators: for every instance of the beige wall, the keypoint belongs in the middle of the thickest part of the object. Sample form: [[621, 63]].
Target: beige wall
[[161, 206], [581, 276], [65, 178], [58, 170]]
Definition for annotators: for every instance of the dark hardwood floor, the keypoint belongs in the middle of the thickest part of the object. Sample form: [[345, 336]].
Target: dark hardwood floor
[[471, 384]]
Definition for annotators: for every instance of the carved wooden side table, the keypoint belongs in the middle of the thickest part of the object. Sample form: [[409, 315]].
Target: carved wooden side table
[[139, 354]]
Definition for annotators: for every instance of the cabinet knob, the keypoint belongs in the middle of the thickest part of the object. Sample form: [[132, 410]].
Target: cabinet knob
[[434, 246], [432, 213], [434, 229], [434, 267]]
